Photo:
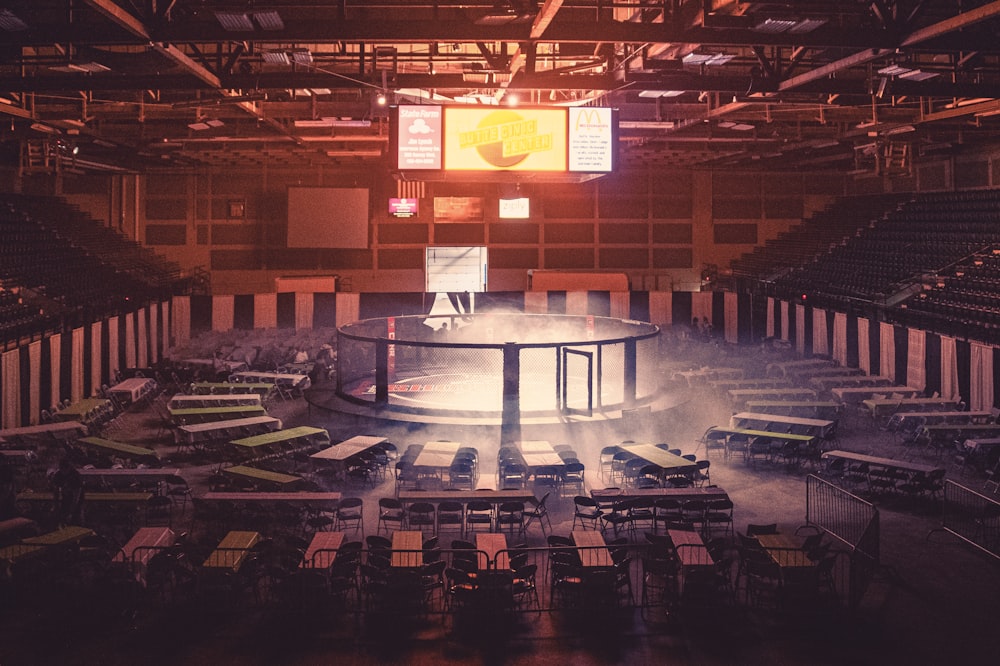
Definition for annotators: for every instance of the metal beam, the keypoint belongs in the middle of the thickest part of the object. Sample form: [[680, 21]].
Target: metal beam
[[963, 20], [135, 26], [544, 18], [391, 30], [188, 64], [118, 15], [859, 58], [991, 107]]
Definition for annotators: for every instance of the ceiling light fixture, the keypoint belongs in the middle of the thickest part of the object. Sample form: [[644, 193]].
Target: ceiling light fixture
[[708, 59], [275, 58], [806, 25], [10, 22], [234, 21], [774, 26], [269, 19], [793, 26], [661, 93], [80, 67], [313, 123], [901, 129], [894, 70], [918, 75], [42, 127], [506, 13], [201, 125], [301, 56]]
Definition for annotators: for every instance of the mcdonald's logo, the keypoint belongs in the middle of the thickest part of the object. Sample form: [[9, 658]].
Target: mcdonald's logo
[[590, 119]]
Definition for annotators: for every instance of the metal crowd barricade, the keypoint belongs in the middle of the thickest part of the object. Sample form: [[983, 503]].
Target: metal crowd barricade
[[972, 517], [853, 521]]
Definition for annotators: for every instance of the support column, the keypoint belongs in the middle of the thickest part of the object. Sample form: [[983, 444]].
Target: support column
[[381, 373], [510, 427], [631, 373]]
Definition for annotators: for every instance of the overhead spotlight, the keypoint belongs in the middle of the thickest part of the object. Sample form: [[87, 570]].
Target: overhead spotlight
[[380, 99], [511, 99]]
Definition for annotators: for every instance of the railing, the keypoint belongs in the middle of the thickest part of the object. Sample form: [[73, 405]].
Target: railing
[[972, 517], [852, 520]]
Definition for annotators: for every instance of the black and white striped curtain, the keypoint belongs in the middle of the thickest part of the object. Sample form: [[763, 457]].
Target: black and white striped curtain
[[76, 364]]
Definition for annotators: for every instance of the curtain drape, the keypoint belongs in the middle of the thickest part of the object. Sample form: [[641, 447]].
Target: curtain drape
[[165, 325], [10, 370], [981, 377], [949, 368], [265, 311], [916, 365], [349, 308], [114, 364], [142, 350], [864, 352], [303, 311], [701, 306], [887, 351], [576, 302], [154, 334], [96, 361], [35, 380], [55, 355], [181, 320], [10, 374], [130, 340], [619, 304], [840, 338], [222, 313], [660, 309], [769, 324], [732, 317], [819, 338], [800, 329], [76, 376]]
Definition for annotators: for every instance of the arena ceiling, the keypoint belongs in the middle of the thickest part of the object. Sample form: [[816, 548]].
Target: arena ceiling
[[854, 85]]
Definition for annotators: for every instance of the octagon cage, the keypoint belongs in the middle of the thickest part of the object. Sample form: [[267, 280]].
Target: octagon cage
[[488, 363]]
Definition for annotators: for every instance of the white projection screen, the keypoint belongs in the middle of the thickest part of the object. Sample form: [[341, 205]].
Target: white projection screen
[[328, 217]]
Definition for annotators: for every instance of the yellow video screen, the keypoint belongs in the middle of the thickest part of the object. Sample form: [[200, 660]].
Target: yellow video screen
[[491, 139]]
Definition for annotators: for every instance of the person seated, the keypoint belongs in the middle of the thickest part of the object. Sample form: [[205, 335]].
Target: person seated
[[67, 486]]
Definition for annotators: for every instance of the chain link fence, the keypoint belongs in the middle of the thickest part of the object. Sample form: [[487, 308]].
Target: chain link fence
[[557, 362]]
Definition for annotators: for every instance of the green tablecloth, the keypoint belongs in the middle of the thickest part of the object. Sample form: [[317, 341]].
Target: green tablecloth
[[263, 475], [119, 447], [277, 436]]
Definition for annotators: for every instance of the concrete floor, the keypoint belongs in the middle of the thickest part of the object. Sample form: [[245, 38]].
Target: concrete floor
[[936, 600]]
